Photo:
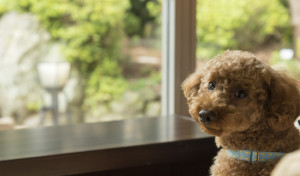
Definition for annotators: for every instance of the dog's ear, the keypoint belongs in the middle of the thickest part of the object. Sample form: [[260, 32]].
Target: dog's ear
[[191, 85], [283, 103]]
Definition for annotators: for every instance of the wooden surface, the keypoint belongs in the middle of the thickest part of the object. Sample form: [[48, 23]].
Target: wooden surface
[[99, 147], [185, 49], [178, 52]]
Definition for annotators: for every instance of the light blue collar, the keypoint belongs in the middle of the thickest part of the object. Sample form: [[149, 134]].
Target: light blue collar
[[254, 156]]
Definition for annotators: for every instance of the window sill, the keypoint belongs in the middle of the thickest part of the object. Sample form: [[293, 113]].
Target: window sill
[[100, 147]]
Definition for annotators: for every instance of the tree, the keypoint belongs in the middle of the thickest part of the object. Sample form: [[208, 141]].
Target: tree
[[235, 24]]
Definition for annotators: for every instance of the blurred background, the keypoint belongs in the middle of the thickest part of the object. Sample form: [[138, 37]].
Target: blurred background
[[83, 61]]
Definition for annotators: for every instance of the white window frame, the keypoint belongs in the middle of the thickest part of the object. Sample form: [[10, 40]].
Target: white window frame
[[178, 52]]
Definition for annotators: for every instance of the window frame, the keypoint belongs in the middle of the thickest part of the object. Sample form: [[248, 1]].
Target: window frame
[[178, 52]]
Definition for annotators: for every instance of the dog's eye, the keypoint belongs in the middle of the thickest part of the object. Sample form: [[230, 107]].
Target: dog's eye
[[211, 85], [240, 94]]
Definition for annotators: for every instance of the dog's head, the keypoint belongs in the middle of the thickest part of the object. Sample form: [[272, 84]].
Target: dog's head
[[236, 92]]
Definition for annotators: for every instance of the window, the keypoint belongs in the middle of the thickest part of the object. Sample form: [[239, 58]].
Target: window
[[114, 50], [179, 52], [113, 47]]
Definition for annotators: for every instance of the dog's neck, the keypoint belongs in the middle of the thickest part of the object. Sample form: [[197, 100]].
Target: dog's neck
[[261, 140]]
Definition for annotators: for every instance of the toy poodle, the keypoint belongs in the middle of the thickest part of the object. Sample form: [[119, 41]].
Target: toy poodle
[[249, 107]]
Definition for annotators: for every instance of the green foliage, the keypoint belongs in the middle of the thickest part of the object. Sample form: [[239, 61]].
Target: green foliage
[[91, 32], [104, 90], [132, 25], [34, 106], [139, 15], [236, 24], [106, 83], [153, 80]]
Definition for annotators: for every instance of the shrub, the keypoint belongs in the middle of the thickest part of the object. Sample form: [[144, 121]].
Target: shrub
[[236, 24], [139, 14]]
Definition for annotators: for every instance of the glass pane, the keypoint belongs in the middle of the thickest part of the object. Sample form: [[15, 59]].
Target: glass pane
[[75, 61], [268, 28]]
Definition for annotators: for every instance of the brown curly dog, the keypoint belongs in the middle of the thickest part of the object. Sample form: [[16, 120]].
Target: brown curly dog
[[249, 107]]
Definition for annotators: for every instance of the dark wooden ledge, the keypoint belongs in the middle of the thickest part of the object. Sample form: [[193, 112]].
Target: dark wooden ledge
[[134, 146]]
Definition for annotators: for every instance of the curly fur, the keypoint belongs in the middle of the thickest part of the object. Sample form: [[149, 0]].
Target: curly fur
[[262, 121]]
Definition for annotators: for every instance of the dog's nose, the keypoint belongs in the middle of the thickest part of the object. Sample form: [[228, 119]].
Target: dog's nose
[[207, 116]]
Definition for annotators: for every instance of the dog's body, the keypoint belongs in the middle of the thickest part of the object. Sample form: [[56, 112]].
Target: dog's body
[[247, 106], [265, 140]]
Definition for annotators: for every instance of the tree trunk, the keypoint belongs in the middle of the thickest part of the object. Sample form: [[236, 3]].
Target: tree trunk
[[295, 13]]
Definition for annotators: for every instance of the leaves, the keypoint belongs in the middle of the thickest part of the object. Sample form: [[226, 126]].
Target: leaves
[[235, 24]]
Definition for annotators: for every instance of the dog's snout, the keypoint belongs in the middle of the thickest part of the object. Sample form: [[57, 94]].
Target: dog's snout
[[207, 116]]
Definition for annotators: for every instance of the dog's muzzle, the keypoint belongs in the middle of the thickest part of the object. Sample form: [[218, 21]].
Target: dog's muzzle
[[207, 116]]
